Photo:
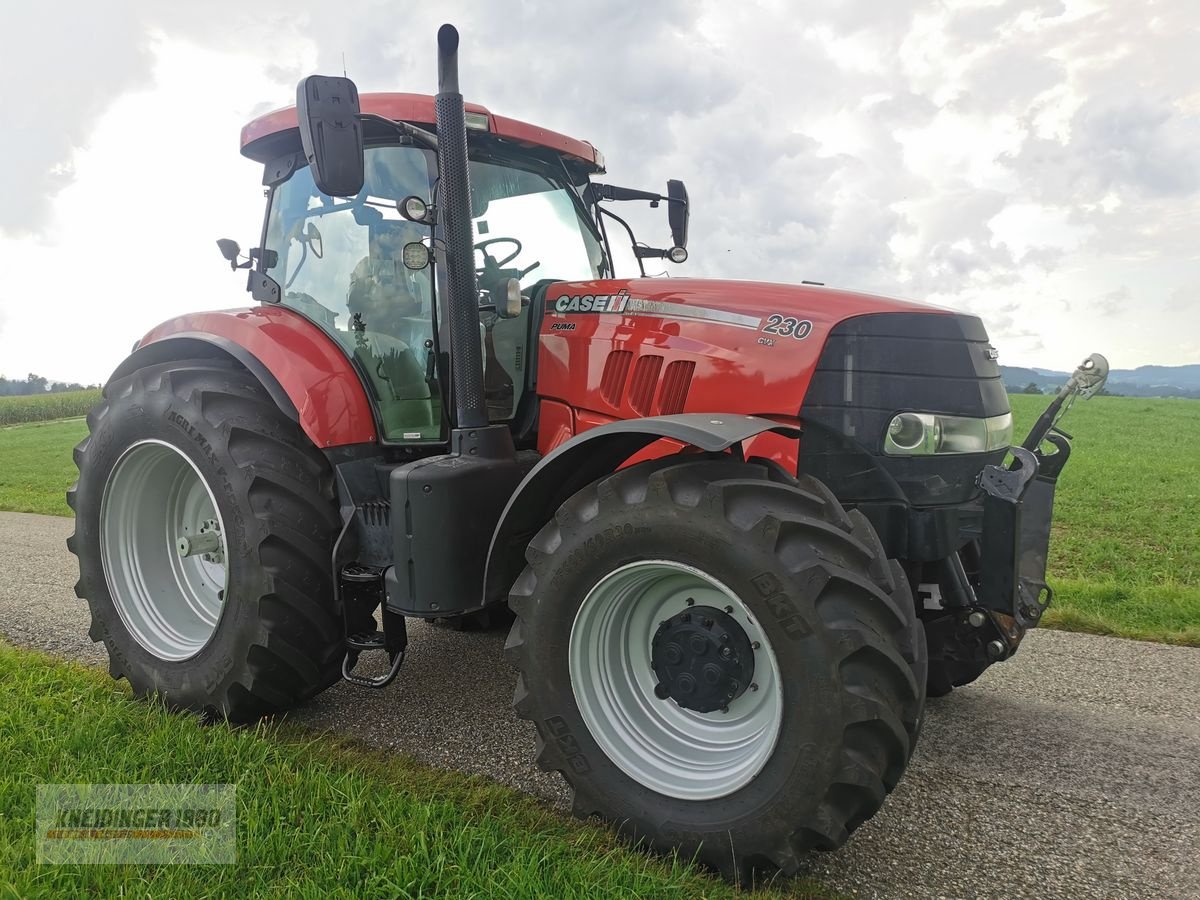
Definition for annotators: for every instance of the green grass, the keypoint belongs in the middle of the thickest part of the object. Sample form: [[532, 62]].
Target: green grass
[[45, 407], [317, 817], [1125, 548], [36, 467], [1125, 553]]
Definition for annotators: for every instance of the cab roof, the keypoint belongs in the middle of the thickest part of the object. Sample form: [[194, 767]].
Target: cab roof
[[277, 132]]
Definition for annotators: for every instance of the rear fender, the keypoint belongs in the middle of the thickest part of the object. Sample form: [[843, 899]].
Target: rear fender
[[304, 371], [591, 455]]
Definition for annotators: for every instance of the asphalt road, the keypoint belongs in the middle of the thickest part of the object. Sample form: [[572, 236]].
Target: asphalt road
[[1070, 771]]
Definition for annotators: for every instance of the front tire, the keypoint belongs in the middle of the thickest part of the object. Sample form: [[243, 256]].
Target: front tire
[[838, 660], [250, 627]]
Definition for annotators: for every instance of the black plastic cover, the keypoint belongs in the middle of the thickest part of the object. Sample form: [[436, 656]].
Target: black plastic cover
[[444, 511]]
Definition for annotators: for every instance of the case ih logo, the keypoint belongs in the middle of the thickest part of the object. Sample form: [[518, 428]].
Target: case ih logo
[[589, 303]]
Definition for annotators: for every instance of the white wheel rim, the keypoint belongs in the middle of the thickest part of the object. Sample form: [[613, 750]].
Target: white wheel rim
[[169, 603], [675, 751]]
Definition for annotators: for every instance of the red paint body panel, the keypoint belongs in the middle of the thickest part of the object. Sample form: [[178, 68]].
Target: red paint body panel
[[735, 371], [257, 135], [313, 370], [556, 424]]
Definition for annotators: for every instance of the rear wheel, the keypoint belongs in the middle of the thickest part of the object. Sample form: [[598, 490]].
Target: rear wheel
[[204, 526], [718, 659]]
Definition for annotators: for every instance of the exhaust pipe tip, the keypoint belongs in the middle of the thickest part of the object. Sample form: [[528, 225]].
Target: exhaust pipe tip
[[447, 39]]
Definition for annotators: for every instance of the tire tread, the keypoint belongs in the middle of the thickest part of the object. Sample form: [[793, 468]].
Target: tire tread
[[881, 669]]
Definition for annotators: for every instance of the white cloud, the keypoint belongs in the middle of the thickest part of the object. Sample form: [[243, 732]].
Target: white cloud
[[1019, 159]]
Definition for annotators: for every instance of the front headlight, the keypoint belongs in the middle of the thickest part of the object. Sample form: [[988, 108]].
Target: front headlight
[[922, 434]]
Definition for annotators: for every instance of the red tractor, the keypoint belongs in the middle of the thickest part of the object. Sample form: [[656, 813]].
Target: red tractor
[[709, 504]]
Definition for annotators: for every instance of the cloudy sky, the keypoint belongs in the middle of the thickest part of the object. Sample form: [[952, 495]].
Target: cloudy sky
[[1036, 162]]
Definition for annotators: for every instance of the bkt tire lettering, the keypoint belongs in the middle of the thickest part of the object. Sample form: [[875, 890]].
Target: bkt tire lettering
[[777, 601], [567, 745]]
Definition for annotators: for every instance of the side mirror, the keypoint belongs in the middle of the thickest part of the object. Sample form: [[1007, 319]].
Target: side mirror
[[230, 250], [677, 212], [331, 133]]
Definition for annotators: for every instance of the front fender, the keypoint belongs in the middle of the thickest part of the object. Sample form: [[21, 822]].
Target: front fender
[[303, 369], [591, 455]]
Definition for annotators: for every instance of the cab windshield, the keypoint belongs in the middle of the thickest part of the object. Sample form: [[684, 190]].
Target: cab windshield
[[339, 262]]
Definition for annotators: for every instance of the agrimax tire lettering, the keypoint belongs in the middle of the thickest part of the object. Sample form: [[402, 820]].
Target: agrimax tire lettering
[[771, 590], [201, 441], [567, 745], [234, 510]]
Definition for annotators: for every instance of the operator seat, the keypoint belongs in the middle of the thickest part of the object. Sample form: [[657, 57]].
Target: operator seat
[[386, 330]]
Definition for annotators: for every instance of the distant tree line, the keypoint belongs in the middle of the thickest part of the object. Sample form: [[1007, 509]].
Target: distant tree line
[[1032, 388], [36, 384]]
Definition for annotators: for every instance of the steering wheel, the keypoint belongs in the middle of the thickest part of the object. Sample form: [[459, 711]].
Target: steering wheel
[[482, 245], [493, 268]]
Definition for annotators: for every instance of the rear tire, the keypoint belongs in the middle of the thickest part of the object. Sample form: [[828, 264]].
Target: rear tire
[[273, 638], [809, 583]]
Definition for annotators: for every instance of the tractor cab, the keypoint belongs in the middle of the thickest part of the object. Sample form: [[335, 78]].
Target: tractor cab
[[359, 266]]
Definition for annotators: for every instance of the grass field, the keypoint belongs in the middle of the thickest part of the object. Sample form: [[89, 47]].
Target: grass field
[[36, 467], [45, 407], [1125, 554], [1125, 550], [316, 818]]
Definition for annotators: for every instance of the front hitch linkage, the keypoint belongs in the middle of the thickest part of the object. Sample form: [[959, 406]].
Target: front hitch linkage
[[1018, 505]]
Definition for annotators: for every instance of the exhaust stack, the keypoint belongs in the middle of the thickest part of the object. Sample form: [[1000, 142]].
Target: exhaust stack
[[454, 203]]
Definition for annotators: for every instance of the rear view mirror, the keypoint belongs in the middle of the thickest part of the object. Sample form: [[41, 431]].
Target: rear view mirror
[[677, 212], [229, 249], [331, 133]]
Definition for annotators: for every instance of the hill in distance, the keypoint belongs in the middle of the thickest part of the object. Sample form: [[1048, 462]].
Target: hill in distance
[[1144, 381]]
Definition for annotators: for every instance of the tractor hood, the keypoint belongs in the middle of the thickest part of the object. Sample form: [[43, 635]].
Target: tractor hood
[[621, 349]]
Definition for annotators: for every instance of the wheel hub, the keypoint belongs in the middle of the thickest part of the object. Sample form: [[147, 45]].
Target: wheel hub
[[702, 658], [676, 752]]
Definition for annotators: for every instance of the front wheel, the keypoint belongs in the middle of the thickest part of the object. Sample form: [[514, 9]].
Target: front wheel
[[719, 660]]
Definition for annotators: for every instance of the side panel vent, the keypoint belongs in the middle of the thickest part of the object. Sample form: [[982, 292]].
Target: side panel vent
[[675, 384], [616, 370], [645, 380], [376, 512]]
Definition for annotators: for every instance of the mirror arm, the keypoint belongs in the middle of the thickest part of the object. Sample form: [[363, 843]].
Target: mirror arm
[[600, 210]]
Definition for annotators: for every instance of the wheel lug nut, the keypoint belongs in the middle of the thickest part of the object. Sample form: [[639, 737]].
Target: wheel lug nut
[[690, 601], [754, 685], [729, 609], [755, 645]]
